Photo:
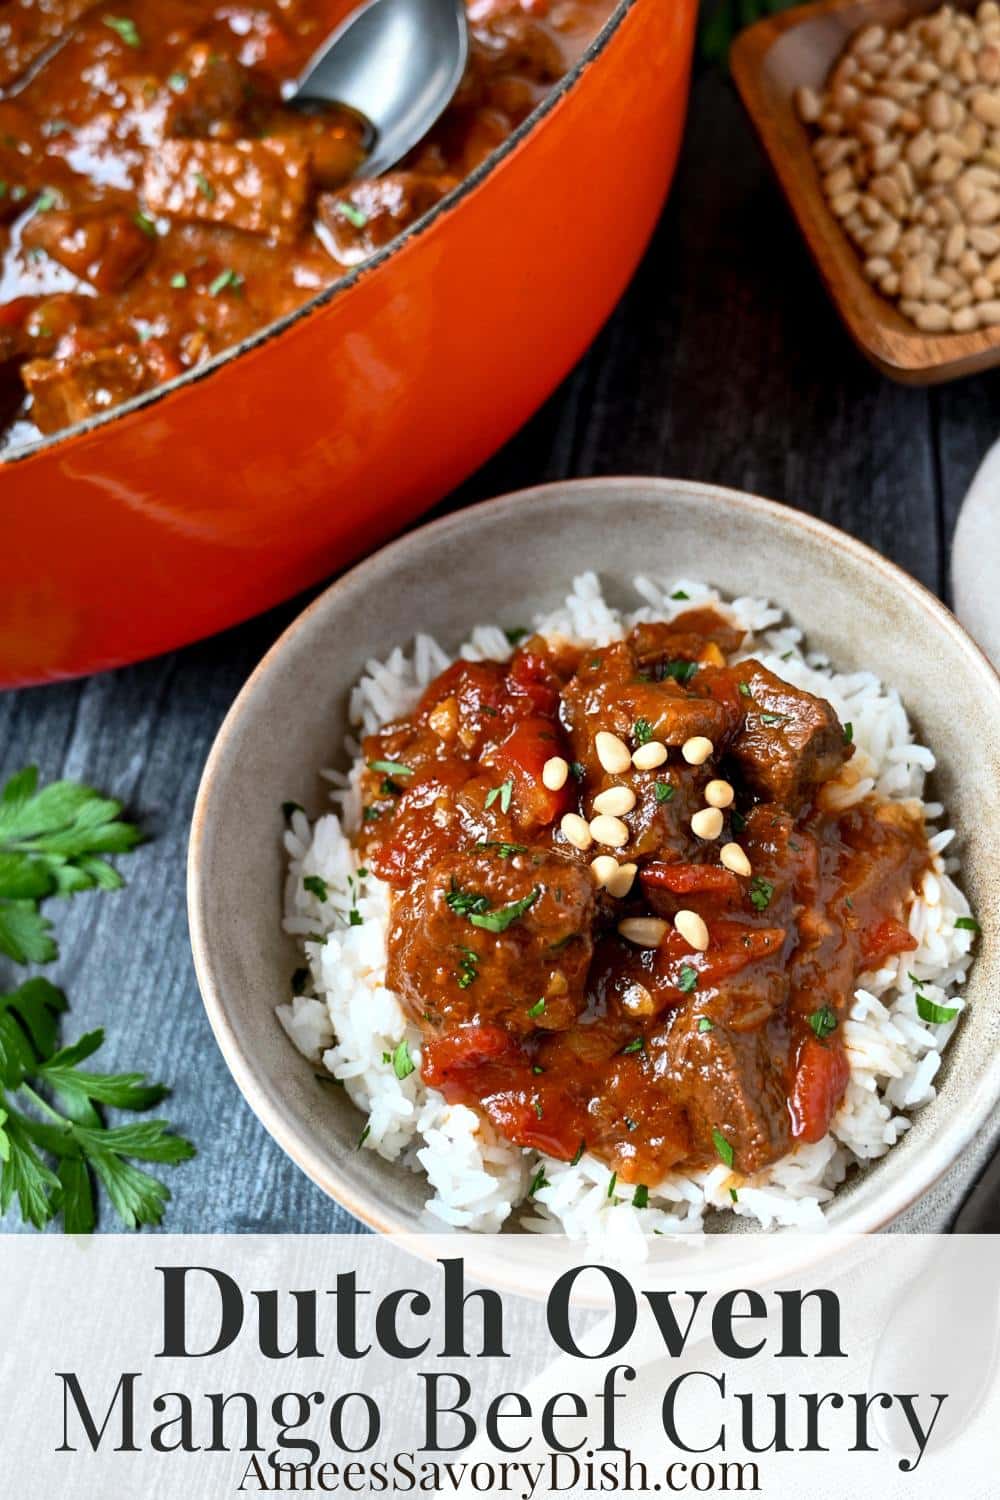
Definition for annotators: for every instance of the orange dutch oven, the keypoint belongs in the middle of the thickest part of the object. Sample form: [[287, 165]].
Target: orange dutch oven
[[234, 487]]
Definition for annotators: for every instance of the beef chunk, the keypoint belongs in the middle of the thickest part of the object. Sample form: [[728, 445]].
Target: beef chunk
[[514, 43], [260, 187], [789, 741], [104, 248], [209, 95], [526, 970], [375, 211], [731, 1082], [689, 637], [65, 391]]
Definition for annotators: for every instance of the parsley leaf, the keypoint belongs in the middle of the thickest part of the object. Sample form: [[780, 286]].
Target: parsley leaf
[[402, 1063], [640, 1198], [687, 980], [642, 731], [499, 921], [537, 1009], [390, 767], [824, 1021], [723, 1149], [929, 1010], [761, 891], [51, 844], [316, 886], [664, 791], [967, 924], [126, 28], [464, 903], [504, 792]]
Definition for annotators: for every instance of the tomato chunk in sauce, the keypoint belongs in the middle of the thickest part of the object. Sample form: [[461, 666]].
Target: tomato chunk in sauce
[[538, 1009]]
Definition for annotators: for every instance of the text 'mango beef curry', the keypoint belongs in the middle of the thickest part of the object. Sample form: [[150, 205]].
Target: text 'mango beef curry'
[[158, 203], [625, 916]]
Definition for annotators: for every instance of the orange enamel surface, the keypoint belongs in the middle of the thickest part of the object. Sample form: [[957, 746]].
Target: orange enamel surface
[[234, 491]]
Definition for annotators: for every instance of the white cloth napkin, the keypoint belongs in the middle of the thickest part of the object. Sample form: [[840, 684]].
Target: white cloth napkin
[[975, 561]]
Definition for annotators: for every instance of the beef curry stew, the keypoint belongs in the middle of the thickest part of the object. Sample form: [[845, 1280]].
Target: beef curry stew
[[629, 907], [159, 203]]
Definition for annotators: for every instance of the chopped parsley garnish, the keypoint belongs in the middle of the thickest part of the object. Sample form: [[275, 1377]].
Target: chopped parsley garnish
[[504, 792], [370, 814], [225, 279], [687, 980], [848, 733], [849, 903], [612, 1184], [178, 280], [536, 1069], [504, 850], [824, 1021], [680, 594], [363, 1137], [299, 981], [288, 808], [390, 767], [354, 918], [538, 1107], [515, 633], [761, 891], [145, 223], [638, 1044], [745, 689], [680, 670], [316, 886], [402, 1063], [538, 1182], [630, 1125], [705, 1023], [769, 719], [124, 27], [967, 924], [177, 82], [45, 201], [723, 1149], [929, 1010], [738, 821], [204, 187], [578, 1156], [354, 215], [538, 1008], [464, 903], [499, 921], [664, 791], [640, 1198], [577, 769], [734, 1195], [468, 967], [642, 731]]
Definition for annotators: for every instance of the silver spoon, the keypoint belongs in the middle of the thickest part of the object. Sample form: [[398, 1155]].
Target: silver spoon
[[397, 63]]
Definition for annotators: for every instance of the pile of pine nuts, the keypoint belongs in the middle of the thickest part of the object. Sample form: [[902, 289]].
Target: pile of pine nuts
[[908, 145]]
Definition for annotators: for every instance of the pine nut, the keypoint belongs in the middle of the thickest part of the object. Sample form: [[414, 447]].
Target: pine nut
[[734, 858], [809, 105], [989, 314], [615, 801], [649, 756], [933, 318], [692, 929], [613, 753], [719, 794], [554, 773], [697, 749], [707, 824], [644, 932], [604, 869], [575, 830], [622, 881], [609, 831]]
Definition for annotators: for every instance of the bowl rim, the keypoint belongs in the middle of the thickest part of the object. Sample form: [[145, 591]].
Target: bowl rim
[[342, 284], [293, 1138]]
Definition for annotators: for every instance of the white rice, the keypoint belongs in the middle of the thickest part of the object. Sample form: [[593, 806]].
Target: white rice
[[352, 1023]]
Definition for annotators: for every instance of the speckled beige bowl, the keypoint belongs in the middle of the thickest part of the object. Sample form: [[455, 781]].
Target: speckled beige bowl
[[503, 561]]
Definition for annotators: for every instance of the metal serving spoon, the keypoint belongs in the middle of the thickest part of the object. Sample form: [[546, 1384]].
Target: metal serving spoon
[[397, 63]]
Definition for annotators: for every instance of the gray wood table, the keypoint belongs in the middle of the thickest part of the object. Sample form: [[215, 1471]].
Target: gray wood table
[[724, 362]]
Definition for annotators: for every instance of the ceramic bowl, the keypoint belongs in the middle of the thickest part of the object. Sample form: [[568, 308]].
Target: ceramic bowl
[[503, 561], [283, 459]]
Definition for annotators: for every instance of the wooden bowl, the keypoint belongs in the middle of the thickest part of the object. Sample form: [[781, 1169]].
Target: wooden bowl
[[769, 62], [237, 485]]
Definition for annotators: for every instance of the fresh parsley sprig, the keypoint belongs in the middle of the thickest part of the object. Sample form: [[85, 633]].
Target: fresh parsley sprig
[[52, 843], [54, 1142]]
